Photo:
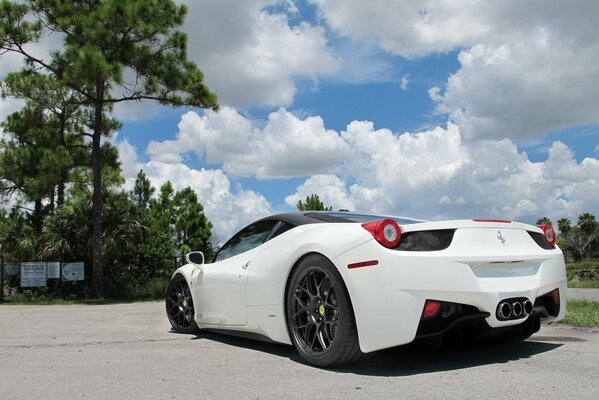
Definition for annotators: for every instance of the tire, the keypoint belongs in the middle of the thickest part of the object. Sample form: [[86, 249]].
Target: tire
[[319, 314], [179, 306]]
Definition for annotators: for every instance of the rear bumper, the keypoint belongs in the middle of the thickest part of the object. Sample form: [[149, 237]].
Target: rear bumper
[[388, 298]]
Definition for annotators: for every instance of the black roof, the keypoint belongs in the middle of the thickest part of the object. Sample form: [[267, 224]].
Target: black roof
[[313, 217]]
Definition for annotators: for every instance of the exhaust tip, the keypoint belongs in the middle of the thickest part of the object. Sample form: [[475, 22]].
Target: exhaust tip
[[528, 306], [517, 309], [504, 310]]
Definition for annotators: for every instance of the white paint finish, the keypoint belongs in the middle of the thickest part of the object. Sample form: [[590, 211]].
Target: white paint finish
[[478, 269]]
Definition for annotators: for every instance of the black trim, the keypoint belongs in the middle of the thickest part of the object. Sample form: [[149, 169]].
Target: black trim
[[539, 239], [470, 317], [433, 240]]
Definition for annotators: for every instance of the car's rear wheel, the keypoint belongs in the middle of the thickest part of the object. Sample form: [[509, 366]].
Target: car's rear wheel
[[179, 306], [320, 316]]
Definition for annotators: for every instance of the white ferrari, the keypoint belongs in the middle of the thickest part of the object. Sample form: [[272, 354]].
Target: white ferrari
[[337, 285]]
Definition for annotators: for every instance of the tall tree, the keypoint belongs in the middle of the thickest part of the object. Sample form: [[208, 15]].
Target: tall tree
[[193, 229], [105, 40], [544, 221], [587, 223], [44, 143], [312, 203], [142, 191], [564, 225]]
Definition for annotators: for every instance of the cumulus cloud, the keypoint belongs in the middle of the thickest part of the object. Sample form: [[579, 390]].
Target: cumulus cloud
[[330, 190], [436, 175], [524, 89], [251, 56], [431, 174], [286, 147], [526, 68], [229, 209]]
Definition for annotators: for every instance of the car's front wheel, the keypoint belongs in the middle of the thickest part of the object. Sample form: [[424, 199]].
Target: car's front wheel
[[179, 306], [320, 316]]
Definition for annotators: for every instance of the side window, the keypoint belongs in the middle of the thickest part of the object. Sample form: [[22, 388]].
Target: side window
[[280, 228], [249, 238]]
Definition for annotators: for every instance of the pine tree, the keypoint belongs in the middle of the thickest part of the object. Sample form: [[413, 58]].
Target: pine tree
[[312, 203], [103, 40]]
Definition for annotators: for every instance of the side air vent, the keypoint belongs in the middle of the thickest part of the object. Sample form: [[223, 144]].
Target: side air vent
[[540, 240], [426, 240]]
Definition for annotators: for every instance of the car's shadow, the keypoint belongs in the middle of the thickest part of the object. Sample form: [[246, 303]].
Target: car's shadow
[[407, 360]]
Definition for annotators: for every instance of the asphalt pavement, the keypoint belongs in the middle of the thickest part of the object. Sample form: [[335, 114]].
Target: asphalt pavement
[[588, 294], [127, 351]]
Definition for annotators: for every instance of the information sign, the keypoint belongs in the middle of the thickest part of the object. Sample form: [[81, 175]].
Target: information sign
[[33, 274]]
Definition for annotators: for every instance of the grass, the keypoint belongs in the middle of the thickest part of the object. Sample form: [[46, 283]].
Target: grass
[[575, 282], [582, 313]]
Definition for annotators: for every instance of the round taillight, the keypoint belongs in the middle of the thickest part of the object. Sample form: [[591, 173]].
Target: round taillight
[[549, 234], [386, 231]]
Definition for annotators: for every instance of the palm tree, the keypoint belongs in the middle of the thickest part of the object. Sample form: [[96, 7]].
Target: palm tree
[[564, 225], [543, 221], [587, 223]]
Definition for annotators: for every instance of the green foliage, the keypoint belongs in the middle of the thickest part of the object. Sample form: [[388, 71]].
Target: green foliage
[[44, 145], [575, 282], [142, 191], [193, 229], [17, 236], [141, 243], [543, 221], [564, 225], [312, 203], [587, 223], [102, 40], [578, 241]]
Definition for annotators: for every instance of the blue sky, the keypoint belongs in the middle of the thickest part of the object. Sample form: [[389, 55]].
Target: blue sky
[[431, 109]]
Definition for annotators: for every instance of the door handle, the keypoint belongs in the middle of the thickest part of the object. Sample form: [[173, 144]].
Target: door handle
[[246, 265]]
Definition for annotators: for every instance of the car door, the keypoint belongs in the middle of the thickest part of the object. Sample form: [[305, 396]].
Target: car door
[[221, 287]]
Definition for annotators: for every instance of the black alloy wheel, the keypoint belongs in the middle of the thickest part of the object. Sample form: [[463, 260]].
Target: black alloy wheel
[[319, 314], [179, 306]]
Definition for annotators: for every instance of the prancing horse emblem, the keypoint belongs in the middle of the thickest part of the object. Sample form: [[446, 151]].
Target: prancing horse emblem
[[501, 238]]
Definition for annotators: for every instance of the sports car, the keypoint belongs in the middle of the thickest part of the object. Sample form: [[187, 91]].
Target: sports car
[[338, 285]]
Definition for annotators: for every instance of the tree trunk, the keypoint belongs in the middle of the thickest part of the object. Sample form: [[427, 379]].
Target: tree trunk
[[63, 171], [60, 190], [97, 273]]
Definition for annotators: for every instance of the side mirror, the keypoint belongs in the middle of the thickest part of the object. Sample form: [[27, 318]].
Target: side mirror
[[195, 257]]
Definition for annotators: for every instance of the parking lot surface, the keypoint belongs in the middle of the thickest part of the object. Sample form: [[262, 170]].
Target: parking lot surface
[[127, 351]]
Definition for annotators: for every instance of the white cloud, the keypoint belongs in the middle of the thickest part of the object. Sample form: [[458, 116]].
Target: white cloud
[[287, 146], [251, 56], [437, 175], [227, 209], [431, 174], [526, 68], [405, 81], [523, 90], [330, 190]]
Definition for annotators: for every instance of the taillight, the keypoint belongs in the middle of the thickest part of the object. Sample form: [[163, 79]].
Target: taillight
[[555, 296], [431, 309], [548, 234], [385, 231]]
